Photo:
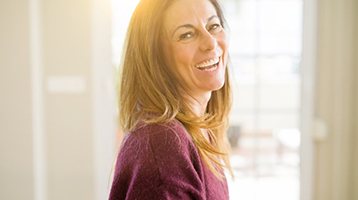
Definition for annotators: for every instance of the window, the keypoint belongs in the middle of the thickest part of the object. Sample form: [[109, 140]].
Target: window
[[265, 50]]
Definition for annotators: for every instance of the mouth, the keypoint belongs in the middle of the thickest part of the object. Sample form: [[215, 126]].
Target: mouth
[[209, 65]]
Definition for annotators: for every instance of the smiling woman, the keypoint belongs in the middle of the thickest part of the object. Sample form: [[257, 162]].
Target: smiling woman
[[196, 47], [174, 103]]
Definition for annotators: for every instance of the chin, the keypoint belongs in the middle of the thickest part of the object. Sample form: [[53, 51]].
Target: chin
[[217, 86]]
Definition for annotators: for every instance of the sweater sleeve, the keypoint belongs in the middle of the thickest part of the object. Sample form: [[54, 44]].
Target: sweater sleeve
[[158, 162]]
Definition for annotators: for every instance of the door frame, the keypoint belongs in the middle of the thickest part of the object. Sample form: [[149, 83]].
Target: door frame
[[308, 66]]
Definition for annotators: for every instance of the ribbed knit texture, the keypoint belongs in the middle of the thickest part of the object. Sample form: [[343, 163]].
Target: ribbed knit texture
[[160, 162]]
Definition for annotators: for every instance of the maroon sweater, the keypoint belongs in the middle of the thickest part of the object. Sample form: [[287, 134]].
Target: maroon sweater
[[160, 162]]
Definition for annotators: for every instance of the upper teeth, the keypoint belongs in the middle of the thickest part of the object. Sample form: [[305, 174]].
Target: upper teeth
[[208, 63]]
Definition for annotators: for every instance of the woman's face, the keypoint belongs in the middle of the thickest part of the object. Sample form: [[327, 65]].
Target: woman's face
[[195, 45]]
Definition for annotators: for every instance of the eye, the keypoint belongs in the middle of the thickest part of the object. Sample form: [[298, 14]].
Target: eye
[[215, 28], [186, 36]]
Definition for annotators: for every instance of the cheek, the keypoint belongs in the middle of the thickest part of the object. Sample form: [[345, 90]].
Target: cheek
[[222, 42], [183, 57], [179, 59], [183, 64]]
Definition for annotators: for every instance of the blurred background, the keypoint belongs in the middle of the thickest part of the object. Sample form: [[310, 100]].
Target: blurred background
[[294, 123]]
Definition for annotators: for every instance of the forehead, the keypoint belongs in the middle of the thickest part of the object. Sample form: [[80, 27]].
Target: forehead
[[188, 12]]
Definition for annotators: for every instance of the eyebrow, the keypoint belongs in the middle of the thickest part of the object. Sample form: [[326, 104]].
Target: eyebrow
[[191, 26]]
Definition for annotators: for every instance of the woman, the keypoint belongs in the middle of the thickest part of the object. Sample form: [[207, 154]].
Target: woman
[[174, 103]]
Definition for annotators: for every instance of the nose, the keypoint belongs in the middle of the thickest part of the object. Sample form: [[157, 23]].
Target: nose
[[208, 42]]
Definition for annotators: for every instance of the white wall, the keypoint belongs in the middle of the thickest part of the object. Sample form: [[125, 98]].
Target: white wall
[[57, 100], [355, 155], [336, 100], [16, 164]]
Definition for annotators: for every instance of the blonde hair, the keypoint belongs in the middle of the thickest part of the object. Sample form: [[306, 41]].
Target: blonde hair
[[151, 92]]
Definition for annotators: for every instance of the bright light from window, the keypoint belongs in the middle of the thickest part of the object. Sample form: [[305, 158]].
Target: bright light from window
[[265, 50], [121, 11]]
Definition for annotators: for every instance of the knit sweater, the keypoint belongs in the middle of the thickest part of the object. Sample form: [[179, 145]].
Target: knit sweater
[[160, 162]]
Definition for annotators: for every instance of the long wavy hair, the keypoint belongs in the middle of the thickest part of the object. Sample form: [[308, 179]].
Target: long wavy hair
[[150, 92]]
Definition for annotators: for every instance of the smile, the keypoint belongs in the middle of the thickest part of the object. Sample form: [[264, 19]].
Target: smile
[[209, 65]]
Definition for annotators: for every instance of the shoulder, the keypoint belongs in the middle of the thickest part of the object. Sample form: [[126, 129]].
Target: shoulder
[[157, 136], [158, 157], [158, 145], [172, 128]]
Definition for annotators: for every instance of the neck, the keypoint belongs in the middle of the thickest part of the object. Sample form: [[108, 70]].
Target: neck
[[199, 103]]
